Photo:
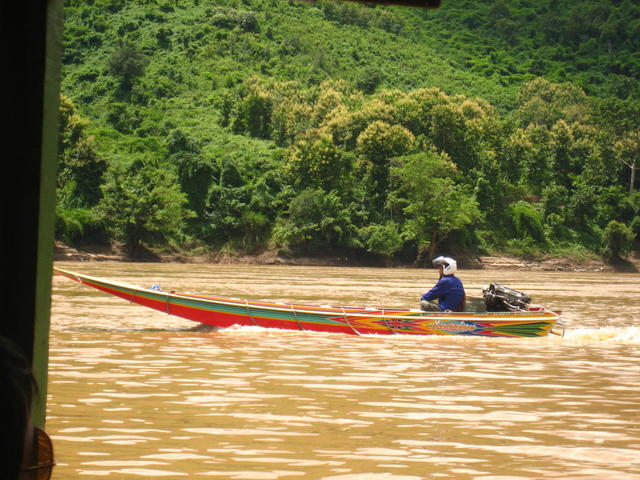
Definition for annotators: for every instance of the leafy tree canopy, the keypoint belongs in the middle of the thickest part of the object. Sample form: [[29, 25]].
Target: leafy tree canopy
[[334, 125]]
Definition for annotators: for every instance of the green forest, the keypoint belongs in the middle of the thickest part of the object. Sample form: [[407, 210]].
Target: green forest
[[326, 127]]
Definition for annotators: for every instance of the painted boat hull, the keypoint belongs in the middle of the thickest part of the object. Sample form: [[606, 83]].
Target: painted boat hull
[[225, 312]]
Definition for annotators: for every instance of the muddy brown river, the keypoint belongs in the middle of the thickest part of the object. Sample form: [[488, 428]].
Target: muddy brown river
[[136, 394]]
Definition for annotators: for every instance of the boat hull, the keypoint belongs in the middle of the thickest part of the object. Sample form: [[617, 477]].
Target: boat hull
[[225, 312]]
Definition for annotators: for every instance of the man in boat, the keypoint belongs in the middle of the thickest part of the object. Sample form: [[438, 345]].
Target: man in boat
[[449, 290]]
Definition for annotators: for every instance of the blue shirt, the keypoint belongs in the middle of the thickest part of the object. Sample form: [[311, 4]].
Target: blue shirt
[[449, 292]]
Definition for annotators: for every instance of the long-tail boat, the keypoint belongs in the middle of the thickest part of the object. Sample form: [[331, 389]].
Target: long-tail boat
[[532, 321]]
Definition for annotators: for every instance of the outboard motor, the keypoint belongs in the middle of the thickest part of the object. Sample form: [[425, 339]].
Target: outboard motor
[[504, 299]]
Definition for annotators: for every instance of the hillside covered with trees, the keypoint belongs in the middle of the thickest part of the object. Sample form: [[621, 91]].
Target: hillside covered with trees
[[332, 127]]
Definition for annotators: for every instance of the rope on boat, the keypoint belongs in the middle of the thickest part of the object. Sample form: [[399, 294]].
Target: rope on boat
[[250, 314], [296, 318], [387, 324], [346, 319]]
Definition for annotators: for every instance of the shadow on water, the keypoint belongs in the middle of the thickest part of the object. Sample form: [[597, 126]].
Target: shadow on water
[[201, 327]]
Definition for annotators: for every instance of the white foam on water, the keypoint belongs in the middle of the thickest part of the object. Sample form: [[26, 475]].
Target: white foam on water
[[252, 329], [609, 334], [604, 334]]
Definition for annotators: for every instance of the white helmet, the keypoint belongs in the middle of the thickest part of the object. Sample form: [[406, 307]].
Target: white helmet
[[449, 265]]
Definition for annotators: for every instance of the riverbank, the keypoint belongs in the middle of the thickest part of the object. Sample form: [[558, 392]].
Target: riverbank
[[495, 262]]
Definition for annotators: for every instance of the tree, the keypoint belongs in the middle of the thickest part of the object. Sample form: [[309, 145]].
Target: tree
[[255, 228], [316, 220], [544, 103], [315, 161], [142, 202], [254, 114], [414, 110], [627, 151], [581, 203], [434, 205], [127, 62], [617, 241], [195, 172], [368, 79], [385, 239], [554, 200], [530, 159], [80, 168], [448, 131], [345, 125], [330, 95], [562, 146], [226, 200], [527, 221], [635, 229], [381, 141], [377, 144]]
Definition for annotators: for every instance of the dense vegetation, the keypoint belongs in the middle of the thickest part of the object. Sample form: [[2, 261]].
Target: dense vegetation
[[317, 127]]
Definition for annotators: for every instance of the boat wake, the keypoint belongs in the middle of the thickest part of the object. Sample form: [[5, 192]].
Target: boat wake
[[611, 335]]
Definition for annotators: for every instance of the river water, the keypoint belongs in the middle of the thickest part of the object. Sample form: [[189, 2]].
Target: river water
[[135, 393]]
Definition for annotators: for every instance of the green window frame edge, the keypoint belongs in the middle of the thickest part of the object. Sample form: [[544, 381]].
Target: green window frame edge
[[47, 204]]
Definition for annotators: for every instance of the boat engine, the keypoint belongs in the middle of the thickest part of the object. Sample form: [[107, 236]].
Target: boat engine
[[498, 298]]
